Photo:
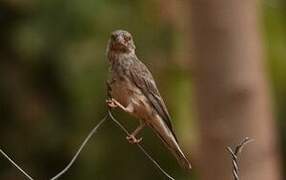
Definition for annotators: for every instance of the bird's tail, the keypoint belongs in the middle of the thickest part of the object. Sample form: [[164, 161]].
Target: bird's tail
[[168, 138]]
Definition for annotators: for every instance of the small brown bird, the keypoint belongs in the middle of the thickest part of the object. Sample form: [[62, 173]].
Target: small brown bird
[[133, 89]]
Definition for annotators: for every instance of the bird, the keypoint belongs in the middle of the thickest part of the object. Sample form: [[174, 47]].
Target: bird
[[132, 88]]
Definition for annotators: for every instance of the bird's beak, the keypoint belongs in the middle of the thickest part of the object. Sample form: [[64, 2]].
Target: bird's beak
[[119, 43], [120, 40]]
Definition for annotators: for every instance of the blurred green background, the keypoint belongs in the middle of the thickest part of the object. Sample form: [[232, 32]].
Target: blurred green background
[[52, 83]]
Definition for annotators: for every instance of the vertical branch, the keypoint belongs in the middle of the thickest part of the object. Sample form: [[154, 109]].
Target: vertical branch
[[234, 155], [231, 86]]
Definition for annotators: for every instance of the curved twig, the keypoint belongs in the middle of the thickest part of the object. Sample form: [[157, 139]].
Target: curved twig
[[140, 147], [92, 132], [234, 155], [80, 149], [83, 144]]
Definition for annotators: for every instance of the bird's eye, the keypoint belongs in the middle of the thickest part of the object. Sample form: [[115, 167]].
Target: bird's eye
[[113, 37], [127, 38]]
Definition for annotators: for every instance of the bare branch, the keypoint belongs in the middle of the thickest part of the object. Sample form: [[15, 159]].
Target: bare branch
[[239, 147], [92, 132], [140, 147], [234, 155], [17, 166], [80, 149]]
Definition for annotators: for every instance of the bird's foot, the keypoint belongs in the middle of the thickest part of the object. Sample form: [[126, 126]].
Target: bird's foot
[[133, 140], [112, 103]]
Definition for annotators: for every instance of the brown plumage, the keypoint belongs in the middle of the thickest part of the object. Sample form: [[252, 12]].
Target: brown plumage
[[133, 89]]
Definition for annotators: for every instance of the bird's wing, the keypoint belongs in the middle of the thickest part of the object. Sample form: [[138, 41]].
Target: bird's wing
[[144, 80]]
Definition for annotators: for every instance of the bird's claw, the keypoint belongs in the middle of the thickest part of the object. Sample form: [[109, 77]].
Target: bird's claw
[[133, 140], [111, 103]]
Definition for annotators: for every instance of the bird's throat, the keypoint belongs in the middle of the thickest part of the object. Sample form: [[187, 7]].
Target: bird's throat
[[115, 55]]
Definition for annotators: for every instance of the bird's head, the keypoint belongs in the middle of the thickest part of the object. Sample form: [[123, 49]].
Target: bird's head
[[121, 42]]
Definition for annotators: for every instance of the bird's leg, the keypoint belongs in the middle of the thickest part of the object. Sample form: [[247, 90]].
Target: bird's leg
[[132, 137], [113, 104]]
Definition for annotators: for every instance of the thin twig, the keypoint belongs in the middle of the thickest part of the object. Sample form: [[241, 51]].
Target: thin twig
[[92, 132], [80, 149], [140, 147], [234, 155], [18, 167]]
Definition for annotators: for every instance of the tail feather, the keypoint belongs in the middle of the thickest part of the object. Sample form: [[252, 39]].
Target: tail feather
[[181, 158], [169, 140]]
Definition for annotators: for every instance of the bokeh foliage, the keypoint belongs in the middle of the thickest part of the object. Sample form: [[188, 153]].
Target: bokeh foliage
[[52, 83]]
